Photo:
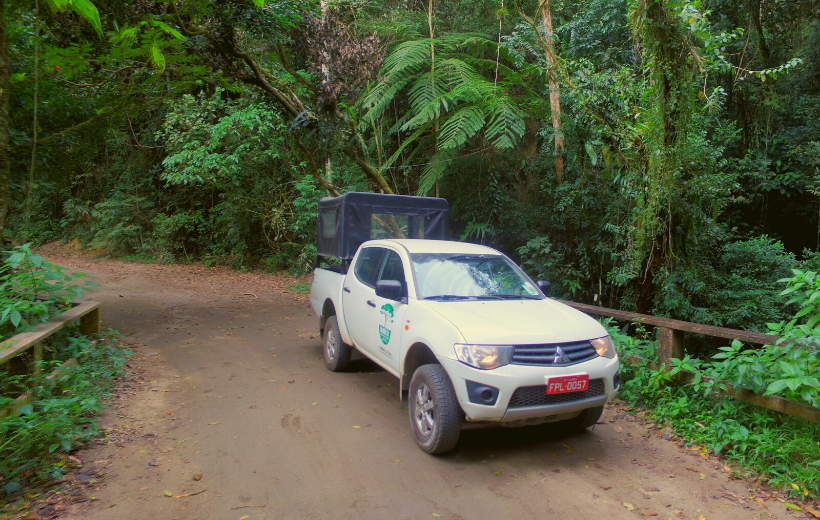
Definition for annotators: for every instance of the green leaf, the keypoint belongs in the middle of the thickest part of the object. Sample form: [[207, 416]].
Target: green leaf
[[66, 445], [26, 409], [776, 387], [173, 32], [157, 59], [259, 3], [15, 317], [15, 258], [87, 10]]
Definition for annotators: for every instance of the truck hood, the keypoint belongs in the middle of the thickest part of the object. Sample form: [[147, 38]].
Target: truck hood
[[517, 322]]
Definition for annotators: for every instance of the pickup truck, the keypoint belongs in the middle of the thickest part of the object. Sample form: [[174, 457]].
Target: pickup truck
[[468, 334]]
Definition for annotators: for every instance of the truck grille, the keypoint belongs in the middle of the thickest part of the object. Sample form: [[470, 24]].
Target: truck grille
[[544, 355], [537, 395]]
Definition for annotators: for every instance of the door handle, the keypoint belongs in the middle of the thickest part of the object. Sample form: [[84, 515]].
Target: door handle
[[370, 302], [346, 290]]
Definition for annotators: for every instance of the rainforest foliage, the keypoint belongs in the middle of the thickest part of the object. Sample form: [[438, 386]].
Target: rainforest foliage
[[653, 155]]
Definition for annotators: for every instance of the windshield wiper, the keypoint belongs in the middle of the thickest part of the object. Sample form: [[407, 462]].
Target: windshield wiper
[[457, 297], [517, 297]]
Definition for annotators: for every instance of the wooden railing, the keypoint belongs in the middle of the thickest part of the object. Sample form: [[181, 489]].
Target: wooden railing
[[23, 352], [671, 345]]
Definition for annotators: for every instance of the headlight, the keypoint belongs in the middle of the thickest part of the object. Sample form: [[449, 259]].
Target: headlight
[[484, 357], [604, 347]]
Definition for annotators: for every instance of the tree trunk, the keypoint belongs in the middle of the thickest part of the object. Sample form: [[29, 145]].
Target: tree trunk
[[5, 151], [433, 71], [555, 93]]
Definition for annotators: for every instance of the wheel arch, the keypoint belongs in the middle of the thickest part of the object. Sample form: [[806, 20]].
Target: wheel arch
[[328, 310], [417, 355]]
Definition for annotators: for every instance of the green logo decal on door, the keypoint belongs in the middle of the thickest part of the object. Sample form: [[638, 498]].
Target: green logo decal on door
[[384, 332]]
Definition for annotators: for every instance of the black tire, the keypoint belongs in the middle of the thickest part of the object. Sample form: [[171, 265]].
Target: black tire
[[435, 415], [337, 352], [586, 418]]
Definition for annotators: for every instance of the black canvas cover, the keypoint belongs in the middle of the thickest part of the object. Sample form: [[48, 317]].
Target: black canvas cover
[[346, 222]]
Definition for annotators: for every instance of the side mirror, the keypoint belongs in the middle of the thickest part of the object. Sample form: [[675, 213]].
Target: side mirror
[[545, 286], [389, 289]]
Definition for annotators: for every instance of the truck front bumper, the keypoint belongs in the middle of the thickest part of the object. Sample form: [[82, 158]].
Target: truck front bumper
[[521, 390]]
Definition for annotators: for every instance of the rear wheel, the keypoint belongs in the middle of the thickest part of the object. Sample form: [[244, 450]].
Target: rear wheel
[[586, 418], [435, 414], [337, 353]]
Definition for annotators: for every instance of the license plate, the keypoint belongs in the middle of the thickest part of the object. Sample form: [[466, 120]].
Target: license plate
[[567, 384]]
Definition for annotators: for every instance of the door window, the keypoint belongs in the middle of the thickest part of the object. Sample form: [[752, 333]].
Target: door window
[[394, 270], [367, 266]]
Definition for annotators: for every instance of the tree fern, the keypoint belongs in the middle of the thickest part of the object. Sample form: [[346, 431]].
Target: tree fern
[[460, 97]]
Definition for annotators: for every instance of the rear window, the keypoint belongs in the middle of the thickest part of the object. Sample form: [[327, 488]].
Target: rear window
[[391, 225]]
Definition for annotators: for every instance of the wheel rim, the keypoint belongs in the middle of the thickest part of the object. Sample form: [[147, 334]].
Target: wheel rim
[[425, 411], [330, 348]]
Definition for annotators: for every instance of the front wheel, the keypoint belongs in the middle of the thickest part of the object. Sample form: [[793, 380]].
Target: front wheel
[[586, 418], [435, 414], [337, 353]]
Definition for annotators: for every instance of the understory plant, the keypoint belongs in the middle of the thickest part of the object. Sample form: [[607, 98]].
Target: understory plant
[[32, 290], [61, 417], [60, 413], [780, 449]]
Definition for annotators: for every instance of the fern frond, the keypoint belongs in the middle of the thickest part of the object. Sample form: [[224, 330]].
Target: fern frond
[[434, 170], [407, 142], [379, 98], [406, 56], [506, 125], [462, 125]]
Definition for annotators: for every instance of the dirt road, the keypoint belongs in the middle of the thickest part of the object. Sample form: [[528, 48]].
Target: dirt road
[[228, 383]]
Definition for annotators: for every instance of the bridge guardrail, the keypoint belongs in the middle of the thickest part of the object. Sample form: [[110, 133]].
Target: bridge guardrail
[[23, 351], [671, 345]]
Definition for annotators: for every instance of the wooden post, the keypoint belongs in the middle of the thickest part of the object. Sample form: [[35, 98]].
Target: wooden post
[[90, 323], [36, 357], [670, 344], [26, 363]]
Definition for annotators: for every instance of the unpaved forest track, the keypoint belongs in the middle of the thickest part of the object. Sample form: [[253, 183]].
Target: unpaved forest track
[[227, 381]]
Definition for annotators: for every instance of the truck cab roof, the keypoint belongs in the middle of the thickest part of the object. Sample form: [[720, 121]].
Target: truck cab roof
[[435, 246]]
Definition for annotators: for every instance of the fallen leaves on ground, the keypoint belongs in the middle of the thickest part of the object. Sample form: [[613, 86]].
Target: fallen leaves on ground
[[813, 512], [167, 493], [649, 514], [792, 506], [629, 506], [618, 429], [198, 476]]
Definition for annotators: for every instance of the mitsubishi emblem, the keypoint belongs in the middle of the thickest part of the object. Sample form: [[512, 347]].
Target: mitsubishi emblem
[[560, 358]]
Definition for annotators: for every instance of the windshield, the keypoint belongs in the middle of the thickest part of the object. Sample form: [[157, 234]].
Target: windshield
[[470, 277]]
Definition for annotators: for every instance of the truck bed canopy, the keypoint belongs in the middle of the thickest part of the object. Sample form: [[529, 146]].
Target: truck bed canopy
[[346, 222]]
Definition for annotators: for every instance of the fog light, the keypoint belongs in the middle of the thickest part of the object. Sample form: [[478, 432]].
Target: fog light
[[616, 380], [481, 394]]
